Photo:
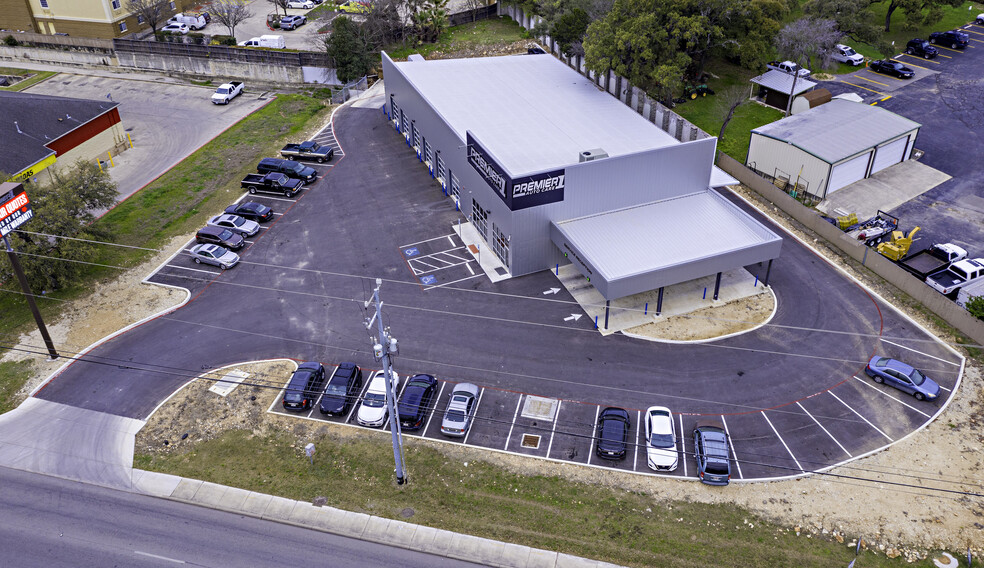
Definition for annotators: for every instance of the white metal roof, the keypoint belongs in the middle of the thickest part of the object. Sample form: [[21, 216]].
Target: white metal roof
[[531, 111], [663, 234], [782, 82], [838, 129]]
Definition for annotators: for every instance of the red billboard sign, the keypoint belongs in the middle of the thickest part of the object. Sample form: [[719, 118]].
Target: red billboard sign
[[15, 210]]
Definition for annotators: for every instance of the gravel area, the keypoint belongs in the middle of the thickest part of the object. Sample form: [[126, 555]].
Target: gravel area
[[899, 521]]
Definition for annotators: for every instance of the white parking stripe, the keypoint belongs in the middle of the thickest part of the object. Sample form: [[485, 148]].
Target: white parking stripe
[[554, 427], [454, 282], [898, 400], [861, 417], [446, 267], [783, 442], [635, 458], [921, 353], [451, 240], [438, 259], [730, 445], [470, 269], [192, 269], [271, 197], [594, 439], [825, 430], [481, 391], [513, 423], [424, 263], [433, 410], [458, 258], [683, 445], [358, 401], [428, 240], [944, 388]]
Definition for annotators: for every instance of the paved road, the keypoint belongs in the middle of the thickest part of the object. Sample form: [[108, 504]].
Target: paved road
[[51, 522]]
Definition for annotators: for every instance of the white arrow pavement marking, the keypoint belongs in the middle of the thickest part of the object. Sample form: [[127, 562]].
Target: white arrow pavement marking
[[551, 291], [574, 317]]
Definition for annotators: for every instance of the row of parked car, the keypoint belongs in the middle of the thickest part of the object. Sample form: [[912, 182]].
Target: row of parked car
[[918, 47], [336, 395]]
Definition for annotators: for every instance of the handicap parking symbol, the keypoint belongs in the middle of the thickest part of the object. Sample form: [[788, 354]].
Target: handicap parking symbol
[[412, 251], [428, 280]]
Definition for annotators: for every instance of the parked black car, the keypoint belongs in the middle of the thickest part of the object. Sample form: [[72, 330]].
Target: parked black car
[[894, 68], [342, 390], [415, 401], [293, 169], [954, 38], [612, 433], [711, 451], [922, 48], [220, 236], [251, 210], [304, 386]]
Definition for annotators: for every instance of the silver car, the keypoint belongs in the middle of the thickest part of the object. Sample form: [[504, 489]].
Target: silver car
[[235, 223], [461, 410], [373, 412], [214, 255]]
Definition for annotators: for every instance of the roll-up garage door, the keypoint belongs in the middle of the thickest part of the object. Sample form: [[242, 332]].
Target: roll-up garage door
[[428, 159], [395, 113], [440, 174], [848, 172], [890, 154]]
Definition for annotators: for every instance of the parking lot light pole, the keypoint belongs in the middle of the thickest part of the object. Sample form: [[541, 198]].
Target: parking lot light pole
[[382, 350]]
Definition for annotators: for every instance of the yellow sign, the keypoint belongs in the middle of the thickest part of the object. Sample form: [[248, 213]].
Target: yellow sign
[[35, 169]]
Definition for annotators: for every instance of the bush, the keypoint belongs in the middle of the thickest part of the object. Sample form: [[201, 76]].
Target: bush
[[197, 38], [223, 40], [976, 307], [10, 40]]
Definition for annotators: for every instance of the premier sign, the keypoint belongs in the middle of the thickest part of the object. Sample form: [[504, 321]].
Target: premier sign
[[15, 210], [521, 193]]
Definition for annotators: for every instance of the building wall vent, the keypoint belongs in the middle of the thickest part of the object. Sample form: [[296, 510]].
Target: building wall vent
[[592, 155]]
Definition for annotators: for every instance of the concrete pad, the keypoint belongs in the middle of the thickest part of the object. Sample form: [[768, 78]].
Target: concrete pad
[[234, 498], [154, 483], [431, 540], [210, 494], [186, 489], [475, 549], [475, 245], [540, 558], [682, 298], [515, 556], [390, 531], [375, 97], [228, 382], [885, 190], [279, 508], [256, 503], [568, 561]]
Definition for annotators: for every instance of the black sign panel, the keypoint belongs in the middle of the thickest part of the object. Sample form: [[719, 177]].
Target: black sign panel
[[521, 193]]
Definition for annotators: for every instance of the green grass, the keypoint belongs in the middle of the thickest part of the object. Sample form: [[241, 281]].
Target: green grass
[[12, 374], [33, 80], [465, 38], [356, 474]]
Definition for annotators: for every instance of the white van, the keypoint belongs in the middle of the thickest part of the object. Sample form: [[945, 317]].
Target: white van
[[275, 41], [194, 21]]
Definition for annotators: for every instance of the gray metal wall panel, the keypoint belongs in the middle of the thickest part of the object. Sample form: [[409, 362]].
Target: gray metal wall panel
[[768, 155]]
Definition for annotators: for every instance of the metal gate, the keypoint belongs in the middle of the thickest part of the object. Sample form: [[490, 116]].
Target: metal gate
[[455, 186], [441, 172]]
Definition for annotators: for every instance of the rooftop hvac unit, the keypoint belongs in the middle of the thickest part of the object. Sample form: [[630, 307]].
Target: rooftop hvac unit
[[592, 155]]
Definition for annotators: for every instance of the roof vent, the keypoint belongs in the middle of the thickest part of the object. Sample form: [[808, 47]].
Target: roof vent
[[592, 155]]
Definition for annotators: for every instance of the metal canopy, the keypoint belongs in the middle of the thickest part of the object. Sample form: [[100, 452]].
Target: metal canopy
[[658, 244]]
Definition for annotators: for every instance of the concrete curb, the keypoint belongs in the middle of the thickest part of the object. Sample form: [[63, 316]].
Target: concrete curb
[[390, 532]]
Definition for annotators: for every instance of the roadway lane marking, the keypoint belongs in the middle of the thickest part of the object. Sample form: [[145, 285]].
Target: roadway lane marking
[[513, 423], [433, 410], [938, 46], [923, 59], [454, 282], [796, 461], [594, 439], [427, 241], [635, 458], [920, 352], [825, 430], [481, 391], [730, 445], [176, 561], [553, 429], [861, 417], [683, 445], [898, 400], [921, 67]]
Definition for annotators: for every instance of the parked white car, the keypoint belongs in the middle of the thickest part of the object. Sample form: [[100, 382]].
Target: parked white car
[[176, 28], [302, 4], [373, 412], [846, 54], [980, 20], [661, 448]]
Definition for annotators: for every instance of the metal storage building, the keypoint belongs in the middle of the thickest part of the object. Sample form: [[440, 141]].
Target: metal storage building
[[550, 169], [831, 146]]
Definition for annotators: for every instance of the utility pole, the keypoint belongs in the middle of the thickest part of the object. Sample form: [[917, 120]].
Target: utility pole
[[383, 348], [15, 263]]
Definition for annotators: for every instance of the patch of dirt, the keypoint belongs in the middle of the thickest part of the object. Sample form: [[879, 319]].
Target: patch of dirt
[[715, 321], [514, 48]]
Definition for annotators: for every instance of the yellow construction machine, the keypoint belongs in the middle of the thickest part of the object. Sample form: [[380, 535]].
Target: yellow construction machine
[[898, 247]]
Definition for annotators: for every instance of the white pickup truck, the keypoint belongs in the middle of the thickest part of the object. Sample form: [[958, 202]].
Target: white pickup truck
[[957, 275], [226, 92], [789, 67]]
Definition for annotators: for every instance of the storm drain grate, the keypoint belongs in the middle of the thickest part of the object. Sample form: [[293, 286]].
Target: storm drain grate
[[531, 441]]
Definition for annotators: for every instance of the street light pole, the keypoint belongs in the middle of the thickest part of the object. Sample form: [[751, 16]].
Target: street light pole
[[382, 350]]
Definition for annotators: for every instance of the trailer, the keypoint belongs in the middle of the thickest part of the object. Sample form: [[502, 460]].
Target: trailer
[[875, 229]]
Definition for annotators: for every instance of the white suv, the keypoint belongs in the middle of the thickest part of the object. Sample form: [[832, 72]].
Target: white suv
[[846, 54]]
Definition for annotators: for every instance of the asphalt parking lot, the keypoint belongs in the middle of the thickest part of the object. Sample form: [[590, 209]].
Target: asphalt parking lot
[[945, 98], [305, 37], [166, 121], [790, 393]]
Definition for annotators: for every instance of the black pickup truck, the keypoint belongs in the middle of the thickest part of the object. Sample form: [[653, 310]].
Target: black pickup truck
[[272, 183], [308, 150], [295, 170]]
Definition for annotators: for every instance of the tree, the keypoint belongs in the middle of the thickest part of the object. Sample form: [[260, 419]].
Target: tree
[[754, 28], [153, 12], [350, 49], [976, 307], [727, 103], [925, 12], [229, 13], [62, 208], [569, 30], [279, 4], [802, 40], [853, 17], [431, 20], [475, 6]]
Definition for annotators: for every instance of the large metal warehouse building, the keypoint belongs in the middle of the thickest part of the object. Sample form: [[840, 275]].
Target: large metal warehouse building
[[551, 169], [831, 146]]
